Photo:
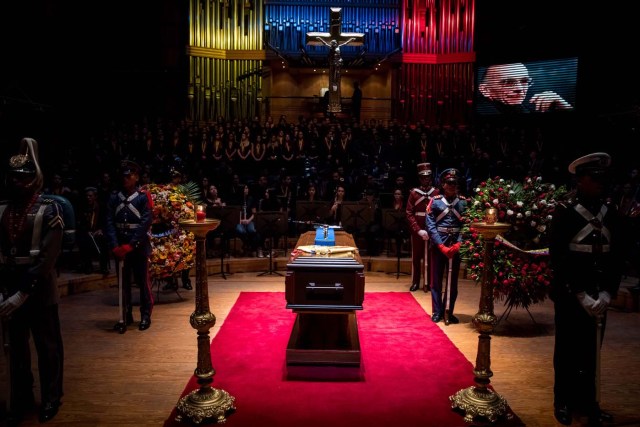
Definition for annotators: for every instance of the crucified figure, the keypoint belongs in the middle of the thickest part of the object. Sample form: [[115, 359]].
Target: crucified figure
[[334, 40], [335, 63]]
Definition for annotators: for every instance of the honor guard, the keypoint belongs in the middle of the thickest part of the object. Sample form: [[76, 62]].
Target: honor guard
[[444, 223], [31, 233], [129, 217], [587, 268], [416, 209]]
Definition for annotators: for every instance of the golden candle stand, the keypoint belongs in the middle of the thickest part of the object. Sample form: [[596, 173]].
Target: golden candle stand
[[480, 400], [206, 403]]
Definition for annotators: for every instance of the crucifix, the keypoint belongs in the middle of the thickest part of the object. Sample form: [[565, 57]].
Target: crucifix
[[334, 39]]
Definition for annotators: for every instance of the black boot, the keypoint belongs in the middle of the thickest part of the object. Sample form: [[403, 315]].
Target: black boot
[[562, 414], [414, 287], [121, 327], [145, 323], [597, 416], [48, 411], [452, 319]]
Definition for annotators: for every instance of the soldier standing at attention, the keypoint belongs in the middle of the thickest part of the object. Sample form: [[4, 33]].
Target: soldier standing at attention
[[31, 230], [587, 265], [444, 222], [416, 209], [129, 217]]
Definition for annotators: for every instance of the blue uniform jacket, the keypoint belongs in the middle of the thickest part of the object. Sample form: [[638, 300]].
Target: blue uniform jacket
[[444, 219], [129, 220]]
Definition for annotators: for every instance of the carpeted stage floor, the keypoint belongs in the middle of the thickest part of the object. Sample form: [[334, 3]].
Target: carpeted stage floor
[[409, 369]]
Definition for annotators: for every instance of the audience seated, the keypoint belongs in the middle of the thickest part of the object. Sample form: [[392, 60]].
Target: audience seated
[[307, 159]]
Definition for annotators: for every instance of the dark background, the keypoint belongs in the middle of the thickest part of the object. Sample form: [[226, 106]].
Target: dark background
[[69, 66]]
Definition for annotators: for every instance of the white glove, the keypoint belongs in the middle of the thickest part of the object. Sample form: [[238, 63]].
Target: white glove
[[12, 303], [423, 234], [587, 302], [602, 303]]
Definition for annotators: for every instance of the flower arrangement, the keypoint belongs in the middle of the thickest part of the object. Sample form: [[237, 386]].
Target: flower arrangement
[[521, 272], [172, 248]]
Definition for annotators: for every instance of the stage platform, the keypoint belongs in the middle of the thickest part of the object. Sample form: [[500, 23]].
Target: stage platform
[[71, 282]]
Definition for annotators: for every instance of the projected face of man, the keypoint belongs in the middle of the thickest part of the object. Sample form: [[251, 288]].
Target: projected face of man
[[506, 83]]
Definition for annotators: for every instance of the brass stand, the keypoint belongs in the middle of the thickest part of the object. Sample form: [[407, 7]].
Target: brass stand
[[205, 403], [479, 400]]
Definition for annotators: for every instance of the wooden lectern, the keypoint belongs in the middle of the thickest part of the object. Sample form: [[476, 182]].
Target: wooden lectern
[[325, 293]]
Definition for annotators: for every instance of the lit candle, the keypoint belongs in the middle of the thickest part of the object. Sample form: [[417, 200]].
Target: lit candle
[[201, 214], [491, 216]]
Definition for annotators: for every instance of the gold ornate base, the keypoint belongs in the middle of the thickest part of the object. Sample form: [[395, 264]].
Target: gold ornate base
[[476, 402], [205, 404]]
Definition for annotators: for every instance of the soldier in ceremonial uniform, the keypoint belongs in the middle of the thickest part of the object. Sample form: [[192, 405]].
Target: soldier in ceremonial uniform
[[444, 223], [587, 268], [31, 231], [416, 209], [129, 217]]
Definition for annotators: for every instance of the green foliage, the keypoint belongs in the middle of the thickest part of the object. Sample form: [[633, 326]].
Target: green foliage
[[192, 192]]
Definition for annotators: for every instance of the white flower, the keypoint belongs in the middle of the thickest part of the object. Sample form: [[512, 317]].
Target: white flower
[[501, 180], [519, 215], [496, 202], [512, 192], [509, 212], [539, 179], [549, 217], [543, 202], [519, 203], [476, 202], [477, 190], [527, 213], [533, 223]]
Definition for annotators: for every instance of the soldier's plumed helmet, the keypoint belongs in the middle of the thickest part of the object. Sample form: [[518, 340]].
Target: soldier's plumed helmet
[[424, 169], [22, 164]]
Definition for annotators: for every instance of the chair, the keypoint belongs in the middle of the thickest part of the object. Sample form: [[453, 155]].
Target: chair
[[228, 216], [395, 227], [271, 224]]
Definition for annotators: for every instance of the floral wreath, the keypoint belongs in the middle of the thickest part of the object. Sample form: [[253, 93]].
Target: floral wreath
[[172, 248], [521, 271]]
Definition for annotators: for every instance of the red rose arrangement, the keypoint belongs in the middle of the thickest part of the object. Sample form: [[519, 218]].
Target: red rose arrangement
[[521, 272]]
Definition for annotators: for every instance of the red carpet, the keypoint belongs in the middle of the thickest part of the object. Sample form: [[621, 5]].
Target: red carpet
[[409, 369]]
